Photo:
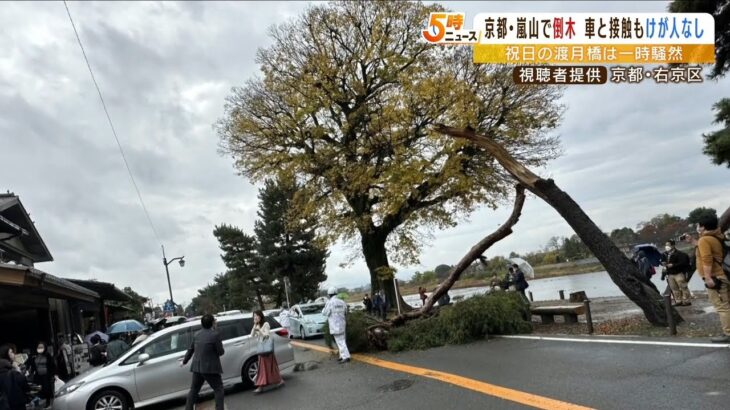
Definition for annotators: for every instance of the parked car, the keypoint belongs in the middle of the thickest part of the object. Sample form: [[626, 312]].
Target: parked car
[[230, 313], [272, 312], [150, 372], [174, 320], [306, 320]]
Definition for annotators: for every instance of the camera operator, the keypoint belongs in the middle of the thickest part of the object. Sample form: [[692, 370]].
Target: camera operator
[[676, 269]]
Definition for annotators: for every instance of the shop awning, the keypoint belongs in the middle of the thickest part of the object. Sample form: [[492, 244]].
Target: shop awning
[[37, 281]]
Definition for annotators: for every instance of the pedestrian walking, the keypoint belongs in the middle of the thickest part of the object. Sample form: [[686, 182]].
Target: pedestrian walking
[[676, 268], [43, 368], [377, 302], [116, 347], [709, 258], [268, 374], [284, 318], [205, 350], [14, 386], [368, 303], [519, 280], [64, 359], [422, 295], [383, 305], [334, 311], [97, 355]]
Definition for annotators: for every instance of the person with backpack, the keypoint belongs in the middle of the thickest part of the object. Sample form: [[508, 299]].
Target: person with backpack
[[711, 258], [14, 386]]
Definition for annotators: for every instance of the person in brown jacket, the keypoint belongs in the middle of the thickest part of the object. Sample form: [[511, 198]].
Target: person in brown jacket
[[709, 265]]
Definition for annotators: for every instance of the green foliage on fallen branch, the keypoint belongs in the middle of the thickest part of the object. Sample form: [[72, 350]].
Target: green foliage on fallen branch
[[356, 332], [464, 322], [467, 321]]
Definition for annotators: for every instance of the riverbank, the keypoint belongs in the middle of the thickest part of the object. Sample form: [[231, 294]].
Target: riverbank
[[618, 316], [541, 272]]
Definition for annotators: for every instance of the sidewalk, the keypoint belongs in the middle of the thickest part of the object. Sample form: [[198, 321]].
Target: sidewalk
[[620, 316]]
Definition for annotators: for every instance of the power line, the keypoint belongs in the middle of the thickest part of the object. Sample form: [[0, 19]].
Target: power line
[[111, 125]]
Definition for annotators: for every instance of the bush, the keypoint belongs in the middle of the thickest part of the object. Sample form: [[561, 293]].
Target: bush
[[356, 332], [472, 319], [467, 321]]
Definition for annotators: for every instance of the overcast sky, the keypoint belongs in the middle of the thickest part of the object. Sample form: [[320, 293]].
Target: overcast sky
[[630, 151]]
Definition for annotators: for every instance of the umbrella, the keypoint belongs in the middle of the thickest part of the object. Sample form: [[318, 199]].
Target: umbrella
[[525, 267], [103, 336], [126, 326], [651, 252]]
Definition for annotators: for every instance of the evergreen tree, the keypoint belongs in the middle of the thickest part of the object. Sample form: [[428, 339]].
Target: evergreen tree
[[244, 279], [288, 247]]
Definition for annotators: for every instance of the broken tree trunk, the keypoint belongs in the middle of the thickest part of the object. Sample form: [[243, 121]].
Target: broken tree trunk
[[475, 252], [621, 270]]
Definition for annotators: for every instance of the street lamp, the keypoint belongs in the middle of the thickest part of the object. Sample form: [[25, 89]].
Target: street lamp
[[181, 260]]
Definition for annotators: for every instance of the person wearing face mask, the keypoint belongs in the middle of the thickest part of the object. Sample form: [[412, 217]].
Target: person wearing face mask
[[13, 385], [676, 267], [709, 266], [43, 369]]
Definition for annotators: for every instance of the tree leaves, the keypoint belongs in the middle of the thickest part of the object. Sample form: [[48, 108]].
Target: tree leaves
[[345, 107]]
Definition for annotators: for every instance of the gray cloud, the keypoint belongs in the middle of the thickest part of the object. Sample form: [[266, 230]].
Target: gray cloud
[[165, 68]]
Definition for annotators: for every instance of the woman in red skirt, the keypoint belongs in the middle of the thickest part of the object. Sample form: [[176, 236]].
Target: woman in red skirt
[[268, 373]]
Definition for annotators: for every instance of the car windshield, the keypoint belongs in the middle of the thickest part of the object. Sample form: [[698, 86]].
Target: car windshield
[[311, 310]]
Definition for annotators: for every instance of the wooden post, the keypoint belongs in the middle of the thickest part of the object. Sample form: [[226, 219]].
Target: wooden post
[[670, 318], [589, 318], [562, 294]]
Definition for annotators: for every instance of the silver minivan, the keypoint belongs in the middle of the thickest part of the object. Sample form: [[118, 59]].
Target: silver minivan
[[150, 372]]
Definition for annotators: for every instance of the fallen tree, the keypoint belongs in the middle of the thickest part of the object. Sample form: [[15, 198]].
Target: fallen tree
[[474, 253], [622, 271]]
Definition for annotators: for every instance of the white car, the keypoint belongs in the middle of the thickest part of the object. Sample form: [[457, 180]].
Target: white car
[[306, 320], [150, 372]]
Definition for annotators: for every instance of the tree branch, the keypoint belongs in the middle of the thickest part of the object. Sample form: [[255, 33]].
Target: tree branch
[[474, 253]]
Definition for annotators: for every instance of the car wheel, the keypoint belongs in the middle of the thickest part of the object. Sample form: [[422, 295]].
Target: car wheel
[[250, 371], [109, 400], [301, 333]]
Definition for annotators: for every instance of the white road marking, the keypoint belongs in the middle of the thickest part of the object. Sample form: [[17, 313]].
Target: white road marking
[[625, 342]]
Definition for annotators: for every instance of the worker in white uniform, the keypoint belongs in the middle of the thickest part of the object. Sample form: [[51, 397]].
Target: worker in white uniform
[[334, 311]]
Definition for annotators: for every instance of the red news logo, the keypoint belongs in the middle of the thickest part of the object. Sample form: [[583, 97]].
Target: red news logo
[[439, 22]]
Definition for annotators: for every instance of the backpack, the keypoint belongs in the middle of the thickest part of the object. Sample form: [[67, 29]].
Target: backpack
[[725, 261]]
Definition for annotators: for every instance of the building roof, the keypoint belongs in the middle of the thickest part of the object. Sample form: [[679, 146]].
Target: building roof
[[53, 286], [106, 290], [15, 222]]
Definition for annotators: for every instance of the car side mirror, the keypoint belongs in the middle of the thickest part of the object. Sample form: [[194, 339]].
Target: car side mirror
[[142, 358]]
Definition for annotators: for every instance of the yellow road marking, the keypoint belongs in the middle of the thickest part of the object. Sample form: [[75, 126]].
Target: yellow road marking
[[505, 393]]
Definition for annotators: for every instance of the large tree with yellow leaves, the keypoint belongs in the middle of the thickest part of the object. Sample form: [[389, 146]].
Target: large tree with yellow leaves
[[345, 103]]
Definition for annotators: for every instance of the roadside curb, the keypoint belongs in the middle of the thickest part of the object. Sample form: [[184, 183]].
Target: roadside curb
[[636, 340]]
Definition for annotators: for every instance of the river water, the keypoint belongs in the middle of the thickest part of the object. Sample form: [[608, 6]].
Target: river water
[[596, 285]]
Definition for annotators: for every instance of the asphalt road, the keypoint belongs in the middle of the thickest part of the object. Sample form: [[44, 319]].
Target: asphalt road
[[603, 376]]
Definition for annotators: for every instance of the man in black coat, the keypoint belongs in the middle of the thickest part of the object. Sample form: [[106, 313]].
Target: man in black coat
[[205, 350], [676, 268], [520, 281]]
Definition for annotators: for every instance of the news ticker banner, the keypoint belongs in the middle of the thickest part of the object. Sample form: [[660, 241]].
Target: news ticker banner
[[579, 38]]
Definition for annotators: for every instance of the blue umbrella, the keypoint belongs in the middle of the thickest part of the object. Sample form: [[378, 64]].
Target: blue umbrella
[[126, 326], [651, 252]]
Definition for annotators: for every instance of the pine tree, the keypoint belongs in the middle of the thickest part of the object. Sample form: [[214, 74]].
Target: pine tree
[[288, 247], [244, 279]]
